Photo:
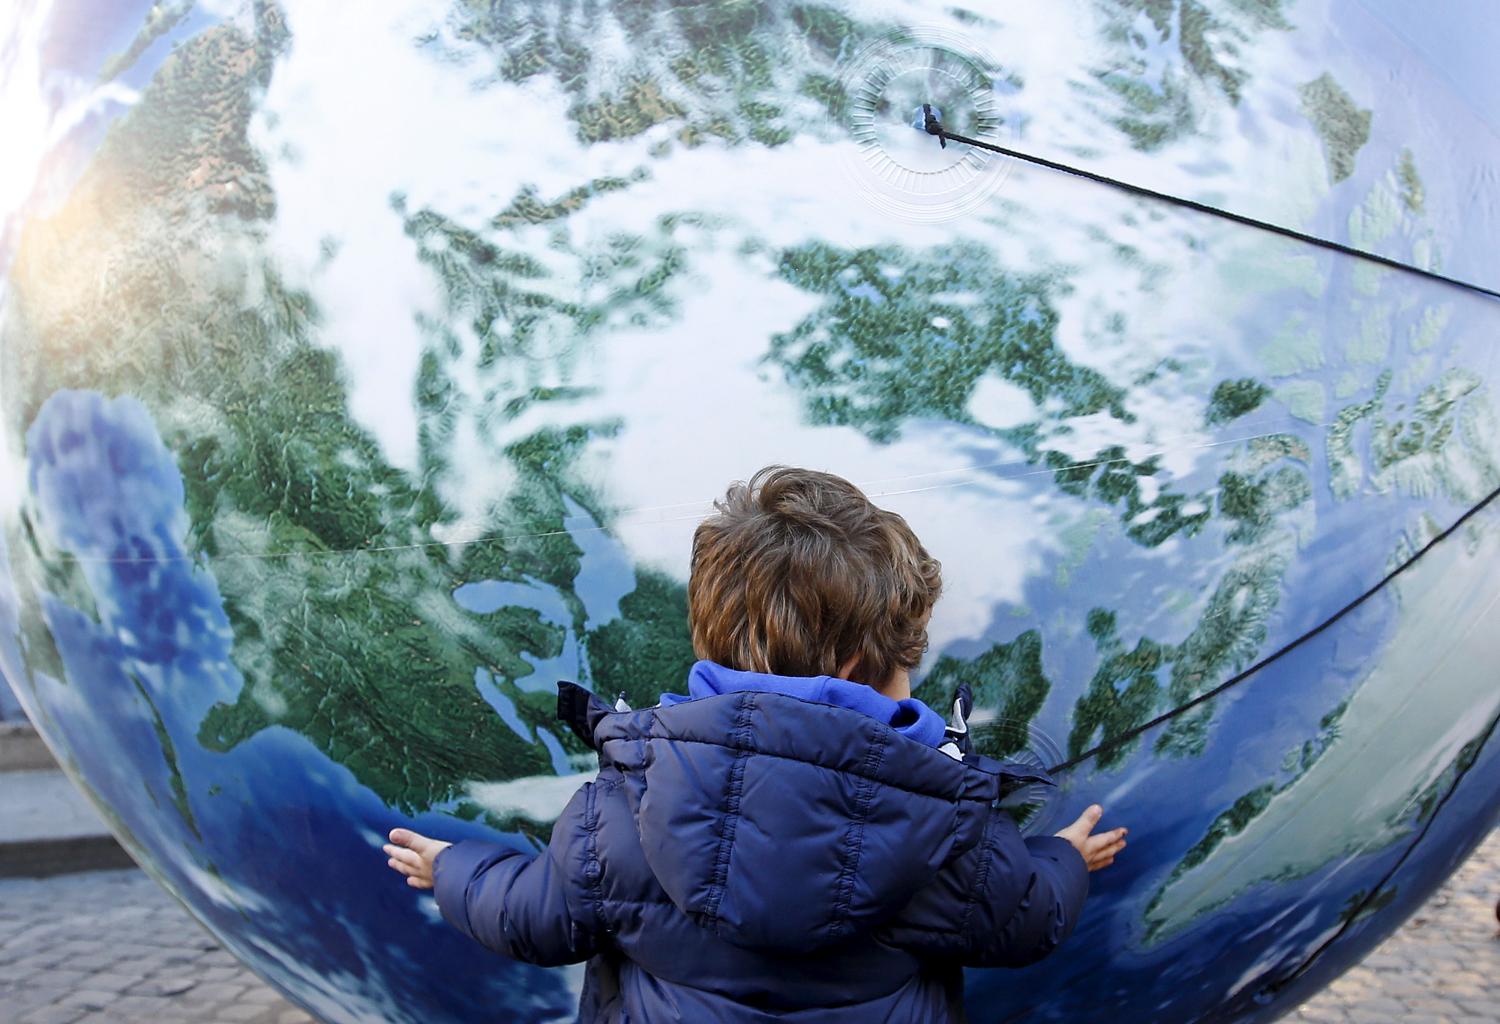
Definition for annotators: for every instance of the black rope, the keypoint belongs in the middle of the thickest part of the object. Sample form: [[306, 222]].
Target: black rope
[[1130, 734], [935, 127], [1276, 986], [1271, 989]]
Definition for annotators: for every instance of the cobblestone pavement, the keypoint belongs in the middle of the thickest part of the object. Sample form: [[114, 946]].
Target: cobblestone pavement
[[112, 946], [1442, 965]]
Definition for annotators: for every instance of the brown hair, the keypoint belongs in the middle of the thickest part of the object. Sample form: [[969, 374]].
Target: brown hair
[[798, 572]]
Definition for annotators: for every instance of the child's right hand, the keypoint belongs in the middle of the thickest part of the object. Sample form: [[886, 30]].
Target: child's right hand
[[412, 854], [1098, 851]]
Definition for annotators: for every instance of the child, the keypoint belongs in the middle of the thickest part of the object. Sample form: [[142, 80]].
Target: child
[[797, 837]]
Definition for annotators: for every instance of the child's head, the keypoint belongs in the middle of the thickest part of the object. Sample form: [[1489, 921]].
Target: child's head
[[799, 574]]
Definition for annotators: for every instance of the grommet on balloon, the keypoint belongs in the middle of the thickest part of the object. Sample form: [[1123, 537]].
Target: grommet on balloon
[[893, 162], [1023, 748]]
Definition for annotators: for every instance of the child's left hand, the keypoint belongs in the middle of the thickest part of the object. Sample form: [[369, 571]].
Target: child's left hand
[[412, 854]]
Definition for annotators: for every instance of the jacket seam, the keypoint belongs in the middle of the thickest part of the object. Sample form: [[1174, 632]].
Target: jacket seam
[[1026, 900], [633, 729], [918, 976], [981, 877], [593, 868], [729, 820], [623, 902], [859, 770], [854, 836]]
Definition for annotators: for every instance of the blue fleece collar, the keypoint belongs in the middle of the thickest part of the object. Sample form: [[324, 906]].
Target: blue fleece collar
[[910, 717]]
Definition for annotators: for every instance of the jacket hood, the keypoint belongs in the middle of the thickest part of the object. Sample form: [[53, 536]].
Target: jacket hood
[[780, 819], [909, 717]]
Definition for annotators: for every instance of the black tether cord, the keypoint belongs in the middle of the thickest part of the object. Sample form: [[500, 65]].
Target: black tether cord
[[1280, 983], [1273, 987], [934, 127], [1130, 734]]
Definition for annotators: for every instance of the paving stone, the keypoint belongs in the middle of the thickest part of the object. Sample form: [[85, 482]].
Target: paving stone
[[1384, 1007], [1487, 1008], [221, 993], [136, 1006], [93, 961], [1431, 1004], [52, 1015], [112, 980], [167, 985], [55, 977], [18, 1001], [89, 998]]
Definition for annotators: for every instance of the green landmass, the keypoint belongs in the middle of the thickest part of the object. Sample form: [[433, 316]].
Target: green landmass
[[1077, 538], [1123, 693], [732, 67], [528, 207], [326, 555], [1243, 810], [1343, 126], [1426, 801], [904, 334], [1232, 399], [1153, 111], [1437, 443], [1254, 504], [1126, 690], [1007, 679], [1413, 448], [648, 649], [1413, 194], [169, 753], [1267, 448], [1266, 485], [1231, 822], [871, 356]]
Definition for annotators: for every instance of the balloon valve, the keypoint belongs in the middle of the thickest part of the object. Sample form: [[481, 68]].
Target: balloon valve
[[930, 120]]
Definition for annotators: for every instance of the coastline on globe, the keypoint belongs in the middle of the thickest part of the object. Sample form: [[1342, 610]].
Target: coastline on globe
[[362, 377]]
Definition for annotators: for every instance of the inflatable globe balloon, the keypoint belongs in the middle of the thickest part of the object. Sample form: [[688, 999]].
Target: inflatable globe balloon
[[364, 370]]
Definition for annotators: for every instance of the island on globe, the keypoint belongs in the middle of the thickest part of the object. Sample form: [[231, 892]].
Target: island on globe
[[364, 370]]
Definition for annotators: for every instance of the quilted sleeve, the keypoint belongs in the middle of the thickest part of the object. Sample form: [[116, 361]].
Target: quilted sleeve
[[1005, 902], [534, 907]]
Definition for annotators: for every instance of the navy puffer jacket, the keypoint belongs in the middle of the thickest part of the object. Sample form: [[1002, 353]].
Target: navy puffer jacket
[[751, 855]]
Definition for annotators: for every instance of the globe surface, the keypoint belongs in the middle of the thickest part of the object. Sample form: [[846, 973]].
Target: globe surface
[[365, 371]]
